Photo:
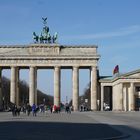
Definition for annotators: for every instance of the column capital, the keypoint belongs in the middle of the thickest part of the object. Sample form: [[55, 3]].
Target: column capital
[[75, 67], [102, 85], [131, 83], [13, 66], [57, 67], [32, 67], [93, 67]]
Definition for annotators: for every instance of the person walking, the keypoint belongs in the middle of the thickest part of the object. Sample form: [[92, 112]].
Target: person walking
[[34, 109], [28, 109], [51, 108]]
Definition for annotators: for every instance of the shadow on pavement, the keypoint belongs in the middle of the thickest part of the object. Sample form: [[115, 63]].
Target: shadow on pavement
[[55, 131]]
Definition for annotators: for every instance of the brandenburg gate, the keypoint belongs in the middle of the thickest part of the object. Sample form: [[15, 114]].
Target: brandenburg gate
[[37, 56]]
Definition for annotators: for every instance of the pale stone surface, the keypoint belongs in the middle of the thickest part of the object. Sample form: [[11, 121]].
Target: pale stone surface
[[102, 97], [125, 99], [35, 56], [32, 85], [48, 49], [120, 93], [13, 85], [113, 98], [93, 88], [49, 62], [48, 55], [55, 56], [75, 82], [1, 98], [131, 97], [57, 86], [17, 86], [36, 86]]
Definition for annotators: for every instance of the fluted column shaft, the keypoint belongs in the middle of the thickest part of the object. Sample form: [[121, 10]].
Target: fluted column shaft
[[13, 85], [125, 99], [32, 85], [57, 86], [120, 98], [114, 98], [14, 88], [102, 97], [75, 88], [93, 88], [17, 86], [36, 86], [1, 98], [131, 98]]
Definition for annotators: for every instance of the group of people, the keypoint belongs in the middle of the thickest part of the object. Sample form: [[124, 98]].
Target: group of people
[[83, 108], [27, 109], [55, 109], [15, 110]]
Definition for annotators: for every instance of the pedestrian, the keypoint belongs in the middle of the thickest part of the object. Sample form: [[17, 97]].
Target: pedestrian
[[28, 109], [51, 108], [34, 109], [81, 108], [54, 109], [14, 110], [18, 110], [68, 109]]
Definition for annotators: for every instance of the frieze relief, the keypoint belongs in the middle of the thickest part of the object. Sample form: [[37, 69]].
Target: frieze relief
[[47, 62], [49, 50]]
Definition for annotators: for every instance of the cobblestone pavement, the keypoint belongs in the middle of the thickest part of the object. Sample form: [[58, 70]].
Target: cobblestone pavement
[[75, 126]]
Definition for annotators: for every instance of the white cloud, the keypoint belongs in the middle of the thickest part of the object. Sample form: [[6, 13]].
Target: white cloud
[[117, 33]]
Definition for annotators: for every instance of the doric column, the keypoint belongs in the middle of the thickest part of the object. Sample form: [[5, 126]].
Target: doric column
[[75, 83], [131, 97], [113, 98], [17, 86], [32, 85], [13, 85], [36, 86], [57, 86], [102, 97], [1, 98], [93, 88], [125, 99], [120, 98]]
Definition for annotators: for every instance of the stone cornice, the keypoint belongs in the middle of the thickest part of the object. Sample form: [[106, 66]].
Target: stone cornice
[[48, 55], [115, 79], [79, 46], [48, 45], [48, 50]]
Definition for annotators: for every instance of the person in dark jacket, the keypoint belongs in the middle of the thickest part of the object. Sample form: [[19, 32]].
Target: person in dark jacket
[[29, 109]]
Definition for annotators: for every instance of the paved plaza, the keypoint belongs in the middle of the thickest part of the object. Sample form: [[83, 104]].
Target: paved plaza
[[75, 126]]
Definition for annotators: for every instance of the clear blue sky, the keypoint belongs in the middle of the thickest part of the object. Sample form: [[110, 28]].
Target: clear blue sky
[[113, 25]]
